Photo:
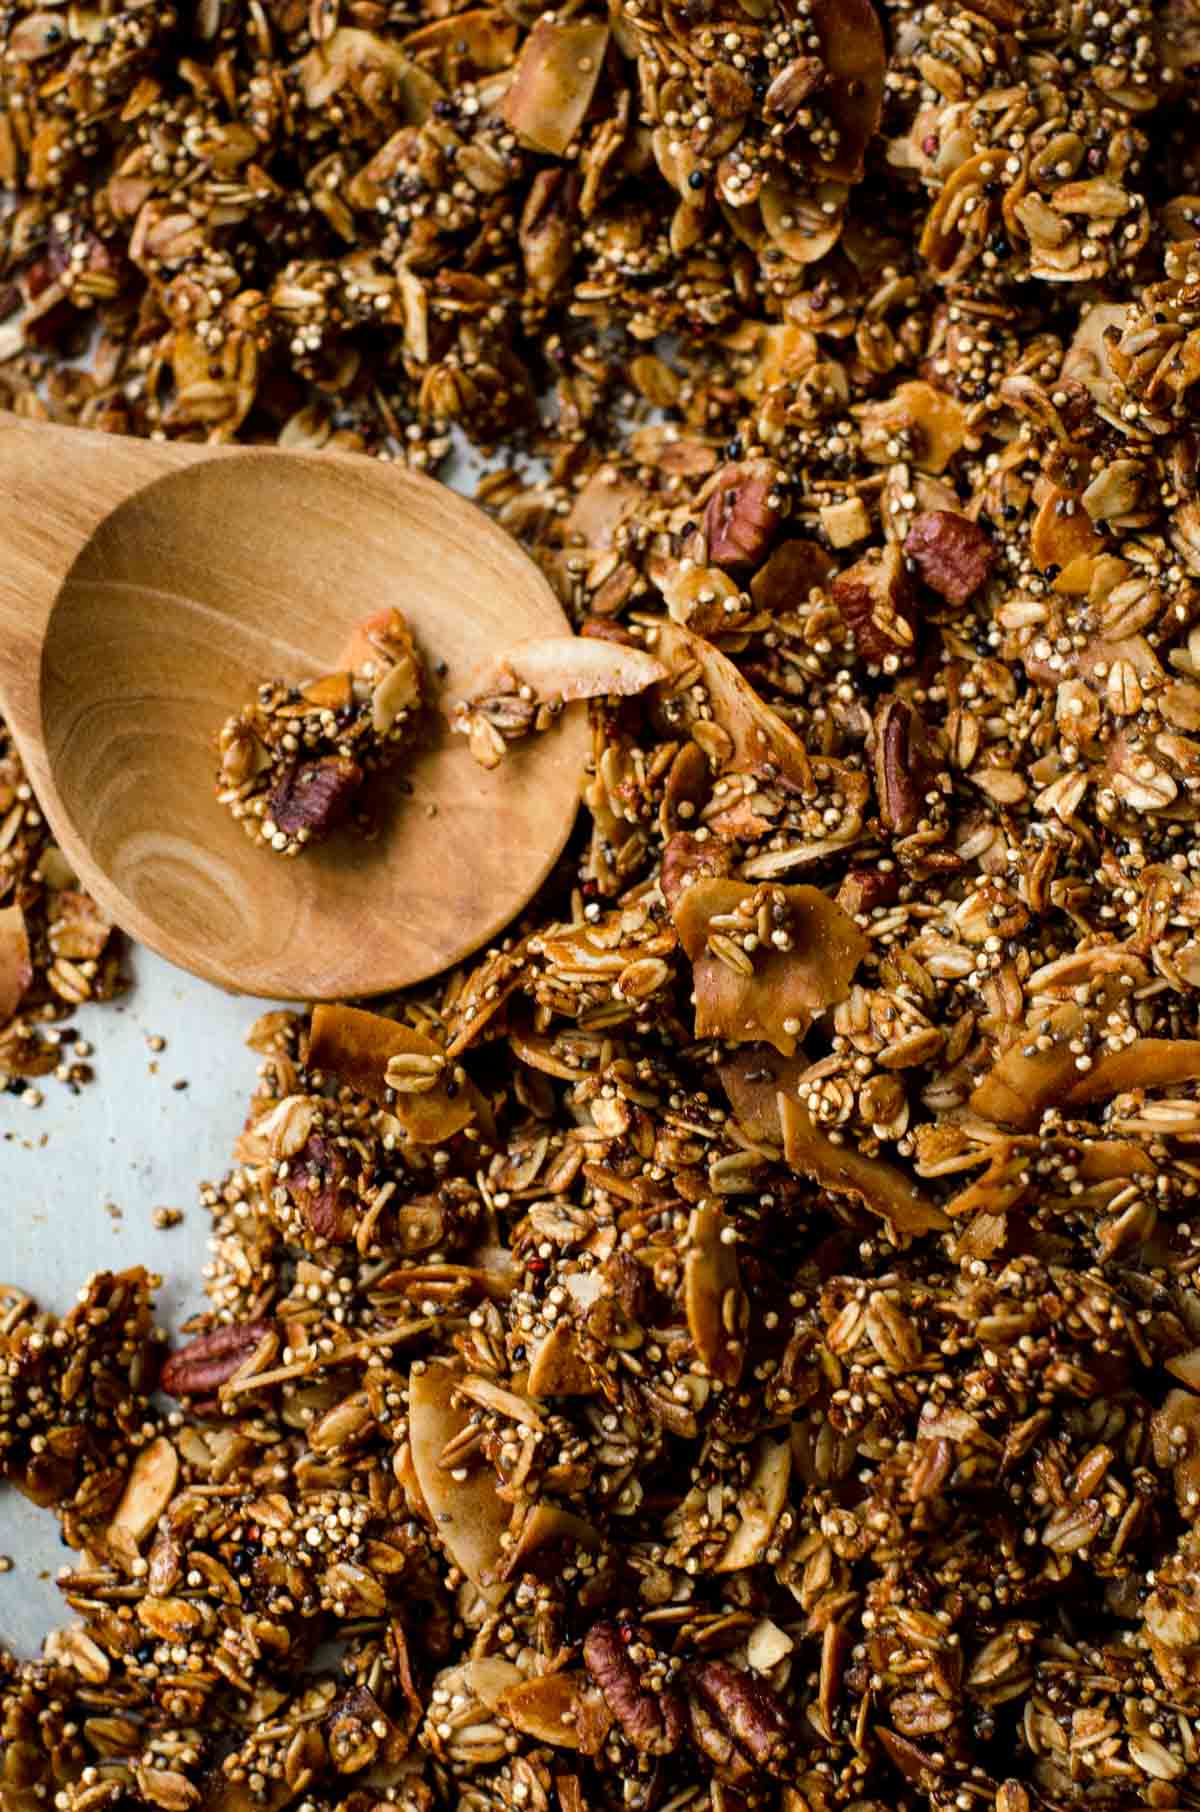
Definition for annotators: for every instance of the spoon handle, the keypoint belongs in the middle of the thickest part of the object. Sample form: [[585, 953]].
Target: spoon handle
[[58, 485]]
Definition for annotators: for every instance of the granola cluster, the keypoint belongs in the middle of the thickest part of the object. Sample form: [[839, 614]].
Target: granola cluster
[[57, 947], [735, 1343], [294, 762]]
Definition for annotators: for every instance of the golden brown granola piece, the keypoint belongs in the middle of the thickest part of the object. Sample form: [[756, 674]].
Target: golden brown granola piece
[[293, 762], [767, 960]]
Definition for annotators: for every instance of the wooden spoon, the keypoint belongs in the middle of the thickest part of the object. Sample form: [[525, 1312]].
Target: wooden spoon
[[145, 587]]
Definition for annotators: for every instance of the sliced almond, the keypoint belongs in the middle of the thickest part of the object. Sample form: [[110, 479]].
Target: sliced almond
[[148, 1490], [557, 1368], [713, 1295], [760, 1505], [881, 1187], [1061, 539], [16, 966]]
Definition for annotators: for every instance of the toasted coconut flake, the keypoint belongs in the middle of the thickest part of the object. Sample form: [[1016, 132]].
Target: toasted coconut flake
[[855, 59], [753, 1080], [1020, 1086], [551, 1533], [357, 1047], [468, 1514], [776, 993], [546, 1708], [1147, 1063], [16, 966], [1005, 1182], [555, 80], [562, 668], [368, 56], [712, 1294], [557, 1368], [880, 1187], [1063, 537]]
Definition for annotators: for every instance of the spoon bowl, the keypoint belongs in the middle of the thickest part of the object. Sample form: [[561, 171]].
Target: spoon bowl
[[149, 588]]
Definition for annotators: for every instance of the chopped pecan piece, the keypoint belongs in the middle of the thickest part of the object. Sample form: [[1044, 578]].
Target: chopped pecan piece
[[864, 889], [742, 516], [632, 1676], [793, 85], [314, 1183], [952, 554], [314, 796], [902, 767], [737, 1720], [876, 600]]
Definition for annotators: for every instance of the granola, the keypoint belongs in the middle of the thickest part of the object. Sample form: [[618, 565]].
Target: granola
[[57, 948], [293, 762], [735, 1343]]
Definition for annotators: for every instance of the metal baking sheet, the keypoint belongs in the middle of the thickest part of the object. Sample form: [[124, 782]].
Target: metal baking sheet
[[81, 1176]]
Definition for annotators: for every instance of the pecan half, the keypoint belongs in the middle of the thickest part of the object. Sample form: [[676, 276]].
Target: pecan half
[[738, 1721], [742, 516], [631, 1676], [876, 600], [314, 796], [902, 769], [952, 554], [206, 1362]]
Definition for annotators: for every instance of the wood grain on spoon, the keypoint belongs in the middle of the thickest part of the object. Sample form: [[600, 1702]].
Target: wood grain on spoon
[[146, 587]]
